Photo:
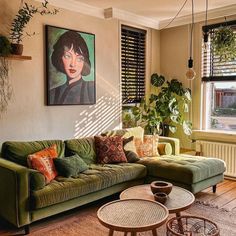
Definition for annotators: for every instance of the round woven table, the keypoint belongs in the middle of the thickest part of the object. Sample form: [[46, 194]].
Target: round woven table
[[178, 200], [132, 215]]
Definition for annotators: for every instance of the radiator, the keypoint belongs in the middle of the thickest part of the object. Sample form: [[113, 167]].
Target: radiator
[[223, 151]]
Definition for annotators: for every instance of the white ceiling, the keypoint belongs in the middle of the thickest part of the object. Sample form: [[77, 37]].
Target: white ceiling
[[158, 10]]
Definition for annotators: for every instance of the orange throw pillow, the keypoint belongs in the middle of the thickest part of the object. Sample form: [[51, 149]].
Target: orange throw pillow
[[43, 162], [45, 166]]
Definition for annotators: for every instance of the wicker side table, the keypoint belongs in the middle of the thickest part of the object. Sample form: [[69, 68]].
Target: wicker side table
[[132, 215], [191, 225]]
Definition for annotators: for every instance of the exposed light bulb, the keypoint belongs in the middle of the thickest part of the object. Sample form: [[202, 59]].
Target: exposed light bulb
[[190, 74]]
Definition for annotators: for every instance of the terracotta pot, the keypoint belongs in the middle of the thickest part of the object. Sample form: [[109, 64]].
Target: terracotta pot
[[16, 49], [161, 187], [160, 197]]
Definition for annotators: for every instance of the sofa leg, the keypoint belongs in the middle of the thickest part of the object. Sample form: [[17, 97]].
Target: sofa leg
[[27, 229], [214, 188]]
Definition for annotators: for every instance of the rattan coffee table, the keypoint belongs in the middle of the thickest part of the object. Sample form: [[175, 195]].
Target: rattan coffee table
[[178, 200], [132, 215]]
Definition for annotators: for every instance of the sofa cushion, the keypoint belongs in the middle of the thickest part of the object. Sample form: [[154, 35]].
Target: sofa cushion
[[45, 166], [37, 180], [183, 169], [164, 148], [109, 149], [98, 177], [70, 166], [136, 132], [84, 147], [18, 151], [150, 145], [131, 156]]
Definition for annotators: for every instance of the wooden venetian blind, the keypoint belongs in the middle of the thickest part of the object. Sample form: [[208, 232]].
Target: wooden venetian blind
[[133, 45], [215, 68]]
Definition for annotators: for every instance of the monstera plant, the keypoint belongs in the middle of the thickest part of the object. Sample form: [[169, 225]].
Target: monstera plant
[[171, 103]]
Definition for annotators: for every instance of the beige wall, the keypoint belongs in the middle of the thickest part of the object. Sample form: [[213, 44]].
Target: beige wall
[[174, 57], [28, 118]]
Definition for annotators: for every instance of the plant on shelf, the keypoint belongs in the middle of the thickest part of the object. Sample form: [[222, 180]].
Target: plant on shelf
[[224, 43], [22, 18], [5, 85], [171, 103]]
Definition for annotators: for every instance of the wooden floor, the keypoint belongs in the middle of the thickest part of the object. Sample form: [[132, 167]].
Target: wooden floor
[[225, 197]]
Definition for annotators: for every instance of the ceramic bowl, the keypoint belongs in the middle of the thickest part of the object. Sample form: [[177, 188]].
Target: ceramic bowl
[[160, 197], [161, 186]]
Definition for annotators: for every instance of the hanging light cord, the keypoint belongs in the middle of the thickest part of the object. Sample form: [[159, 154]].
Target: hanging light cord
[[191, 31], [206, 12], [175, 15]]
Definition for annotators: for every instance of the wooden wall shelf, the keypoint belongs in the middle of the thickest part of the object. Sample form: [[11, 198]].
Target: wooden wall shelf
[[18, 57]]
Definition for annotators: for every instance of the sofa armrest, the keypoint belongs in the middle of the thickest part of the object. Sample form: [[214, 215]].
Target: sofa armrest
[[174, 143], [14, 194]]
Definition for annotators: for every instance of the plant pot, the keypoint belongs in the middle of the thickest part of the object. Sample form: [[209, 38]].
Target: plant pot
[[164, 130], [161, 187], [16, 49]]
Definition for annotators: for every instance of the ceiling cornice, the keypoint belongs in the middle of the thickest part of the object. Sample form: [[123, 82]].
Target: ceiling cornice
[[130, 17], [212, 14], [114, 13], [77, 6]]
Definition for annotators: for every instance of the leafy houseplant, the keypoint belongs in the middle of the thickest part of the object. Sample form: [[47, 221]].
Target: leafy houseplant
[[165, 108], [172, 102], [22, 18], [224, 43]]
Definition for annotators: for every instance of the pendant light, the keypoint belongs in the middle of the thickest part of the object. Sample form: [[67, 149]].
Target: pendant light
[[205, 30], [190, 74]]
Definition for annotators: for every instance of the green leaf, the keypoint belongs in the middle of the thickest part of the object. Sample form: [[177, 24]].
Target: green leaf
[[174, 118], [185, 106], [172, 129], [187, 127]]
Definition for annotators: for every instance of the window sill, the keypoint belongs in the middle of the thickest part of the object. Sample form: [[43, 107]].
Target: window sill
[[214, 135]]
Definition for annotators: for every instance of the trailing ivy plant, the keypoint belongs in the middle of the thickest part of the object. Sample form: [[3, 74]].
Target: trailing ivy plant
[[224, 43], [22, 18], [5, 85]]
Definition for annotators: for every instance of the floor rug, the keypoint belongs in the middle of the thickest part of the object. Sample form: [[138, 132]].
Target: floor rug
[[84, 222]]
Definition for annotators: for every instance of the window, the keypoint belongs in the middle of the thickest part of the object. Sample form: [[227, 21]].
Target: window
[[133, 43], [219, 80]]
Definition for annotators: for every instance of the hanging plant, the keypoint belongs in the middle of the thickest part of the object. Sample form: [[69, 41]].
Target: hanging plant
[[5, 85], [224, 43]]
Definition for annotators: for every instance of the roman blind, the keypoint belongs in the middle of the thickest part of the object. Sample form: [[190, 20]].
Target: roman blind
[[215, 68], [133, 47]]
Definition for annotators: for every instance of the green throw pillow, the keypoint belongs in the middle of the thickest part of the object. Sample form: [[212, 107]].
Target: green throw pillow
[[70, 166]]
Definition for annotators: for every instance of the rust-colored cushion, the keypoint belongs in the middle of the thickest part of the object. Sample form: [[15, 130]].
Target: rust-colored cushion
[[109, 149], [42, 161], [149, 146]]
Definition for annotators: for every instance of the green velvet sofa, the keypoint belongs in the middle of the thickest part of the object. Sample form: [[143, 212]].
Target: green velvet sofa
[[24, 197]]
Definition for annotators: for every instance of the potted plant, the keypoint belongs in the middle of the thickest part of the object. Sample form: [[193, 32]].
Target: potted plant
[[22, 18], [146, 116], [224, 43], [5, 85], [171, 102]]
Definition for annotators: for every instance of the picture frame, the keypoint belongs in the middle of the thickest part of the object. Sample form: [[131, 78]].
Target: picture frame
[[70, 67]]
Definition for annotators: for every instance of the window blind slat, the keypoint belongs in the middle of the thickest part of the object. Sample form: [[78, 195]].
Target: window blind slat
[[133, 47]]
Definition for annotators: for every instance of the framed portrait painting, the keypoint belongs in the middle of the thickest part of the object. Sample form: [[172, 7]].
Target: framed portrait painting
[[70, 57]]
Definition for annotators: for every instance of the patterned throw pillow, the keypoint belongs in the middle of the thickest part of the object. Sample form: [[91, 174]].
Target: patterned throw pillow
[[149, 146], [42, 161], [109, 149], [130, 149], [45, 166]]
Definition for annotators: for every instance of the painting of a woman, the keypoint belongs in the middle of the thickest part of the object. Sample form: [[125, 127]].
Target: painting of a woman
[[71, 57]]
